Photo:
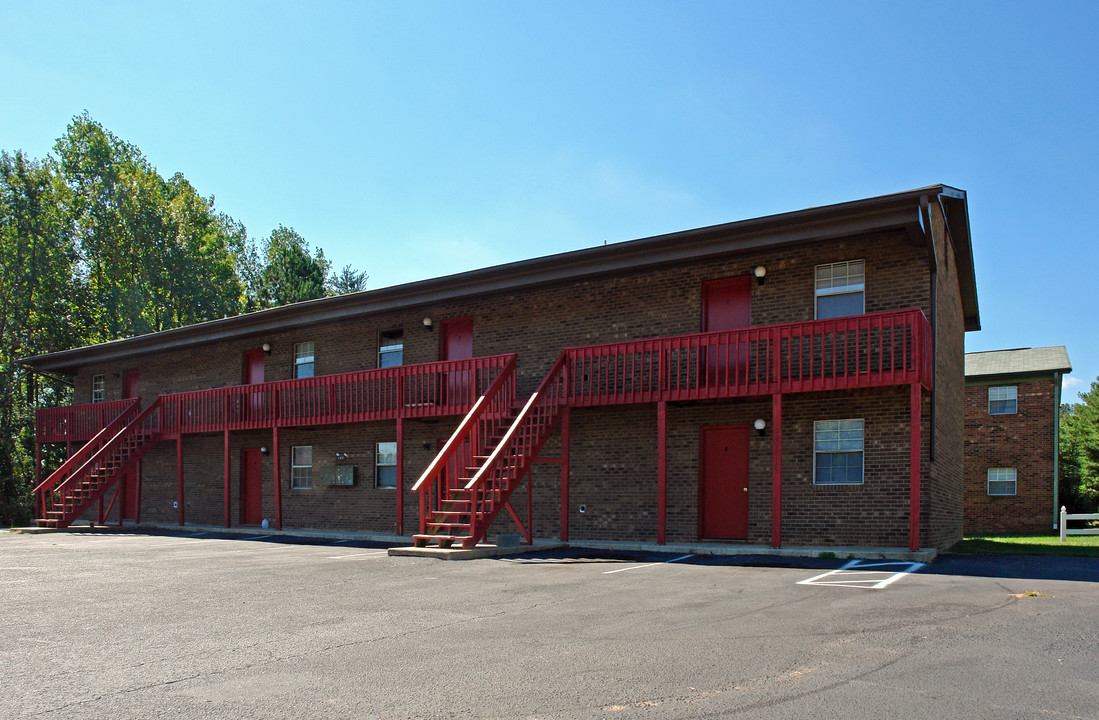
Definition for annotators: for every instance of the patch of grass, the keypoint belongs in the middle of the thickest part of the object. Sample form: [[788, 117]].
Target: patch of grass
[[1073, 546], [826, 555]]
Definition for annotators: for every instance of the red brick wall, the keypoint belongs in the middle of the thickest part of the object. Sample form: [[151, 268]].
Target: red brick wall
[[1023, 441]]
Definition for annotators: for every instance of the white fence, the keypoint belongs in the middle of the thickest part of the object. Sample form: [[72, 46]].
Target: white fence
[[1077, 516]]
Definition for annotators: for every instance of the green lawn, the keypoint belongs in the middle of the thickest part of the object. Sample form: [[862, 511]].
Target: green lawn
[[1074, 545]]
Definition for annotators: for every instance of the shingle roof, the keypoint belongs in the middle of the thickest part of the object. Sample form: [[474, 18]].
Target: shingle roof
[[1017, 361]]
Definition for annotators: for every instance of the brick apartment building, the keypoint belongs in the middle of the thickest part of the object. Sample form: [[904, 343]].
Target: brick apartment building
[[795, 379], [1012, 410]]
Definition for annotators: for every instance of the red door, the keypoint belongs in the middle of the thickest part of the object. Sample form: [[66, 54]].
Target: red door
[[726, 305], [252, 373], [456, 343], [251, 487], [129, 384], [723, 483]]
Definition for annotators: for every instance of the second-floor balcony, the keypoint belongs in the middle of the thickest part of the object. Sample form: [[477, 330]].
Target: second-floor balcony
[[861, 351]]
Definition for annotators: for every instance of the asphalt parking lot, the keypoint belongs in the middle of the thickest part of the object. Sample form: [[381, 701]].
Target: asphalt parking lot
[[134, 625]]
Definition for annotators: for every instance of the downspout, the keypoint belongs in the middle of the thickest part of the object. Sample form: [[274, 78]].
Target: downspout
[[1056, 449], [929, 233]]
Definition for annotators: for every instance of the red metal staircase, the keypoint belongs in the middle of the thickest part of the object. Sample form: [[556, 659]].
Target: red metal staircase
[[97, 466], [476, 472]]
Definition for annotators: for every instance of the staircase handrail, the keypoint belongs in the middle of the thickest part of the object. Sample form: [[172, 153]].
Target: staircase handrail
[[91, 447], [480, 407], [105, 449], [544, 396]]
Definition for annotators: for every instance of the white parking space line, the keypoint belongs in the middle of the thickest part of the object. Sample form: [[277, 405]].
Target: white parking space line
[[638, 567], [865, 575]]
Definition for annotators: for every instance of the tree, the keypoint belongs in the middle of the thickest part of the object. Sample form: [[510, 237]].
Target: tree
[[347, 281], [289, 272], [1079, 451]]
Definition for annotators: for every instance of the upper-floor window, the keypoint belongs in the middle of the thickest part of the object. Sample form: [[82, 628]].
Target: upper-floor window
[[303, 360], [390, 348], [99, 388], [837, 452], [840, 289], [301, 467], [1003, 400], [385, 465], [1001, 481]]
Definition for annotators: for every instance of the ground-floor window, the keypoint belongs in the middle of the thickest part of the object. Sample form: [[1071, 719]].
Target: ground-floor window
[[301, 467], [1001, 481], [837, 452], [385, 465]]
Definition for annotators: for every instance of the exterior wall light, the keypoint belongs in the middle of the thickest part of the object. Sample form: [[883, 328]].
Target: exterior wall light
[[263, 451], [760, 425], [761, 274], [267, 348], [427, 323]]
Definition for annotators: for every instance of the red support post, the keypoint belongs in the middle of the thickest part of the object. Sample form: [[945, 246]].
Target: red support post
[[776, 470], [278, 476], [565, 432], [400, 471], [179, 477], [661, 470], [914, 479], [228, 517]]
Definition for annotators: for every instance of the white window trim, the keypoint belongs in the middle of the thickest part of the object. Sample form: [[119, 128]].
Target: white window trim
[[99, 388], [378, 464], [391, 348], [294, 480], [849, 289], [1014, 480], [1014, 396], [300, 355], [862, 474]]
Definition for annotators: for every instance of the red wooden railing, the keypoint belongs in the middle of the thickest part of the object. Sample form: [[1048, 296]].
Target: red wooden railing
[[489, 417], [76, 423], [425, 390], [890, 348]]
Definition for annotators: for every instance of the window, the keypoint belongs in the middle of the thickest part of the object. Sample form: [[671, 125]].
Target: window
[[840, 289], [1003, 400], [99, 388], [303, 360], [837, 452], [1001, 481], [301, 467], [391, 348], [385, 465]]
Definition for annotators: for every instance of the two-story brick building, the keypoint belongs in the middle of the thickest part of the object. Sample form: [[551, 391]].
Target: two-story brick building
[[1012, 410], [793, 379]]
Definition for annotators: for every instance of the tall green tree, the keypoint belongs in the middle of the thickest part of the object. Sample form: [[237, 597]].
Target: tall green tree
[[1079, 451], [289, 272], [347, 280]]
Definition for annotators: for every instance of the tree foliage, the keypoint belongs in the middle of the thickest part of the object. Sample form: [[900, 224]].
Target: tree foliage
[[346, 281], [96, 245], [1079, 452]]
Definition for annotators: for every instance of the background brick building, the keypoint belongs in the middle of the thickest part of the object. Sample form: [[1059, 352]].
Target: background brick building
[[1012, 410]]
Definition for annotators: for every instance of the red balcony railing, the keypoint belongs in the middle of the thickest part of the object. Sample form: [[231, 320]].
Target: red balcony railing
[[891, 348], [76, 423], [426, 390]]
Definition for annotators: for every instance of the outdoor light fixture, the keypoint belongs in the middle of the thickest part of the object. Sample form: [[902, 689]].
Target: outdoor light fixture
[[267, 348], [427, 444], [760, 425], [263, 451], [341, 456], [427, 323], [761, 274]]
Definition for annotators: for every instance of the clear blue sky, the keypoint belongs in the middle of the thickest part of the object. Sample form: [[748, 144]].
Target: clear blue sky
[[415, 139]]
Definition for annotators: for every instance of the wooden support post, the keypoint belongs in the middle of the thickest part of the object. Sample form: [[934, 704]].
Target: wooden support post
[[565, 432], [661, 470], [776, 470], [179, 479], [914, 478], [278, 476], [228, 517], [137, 501], [400, 474]]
